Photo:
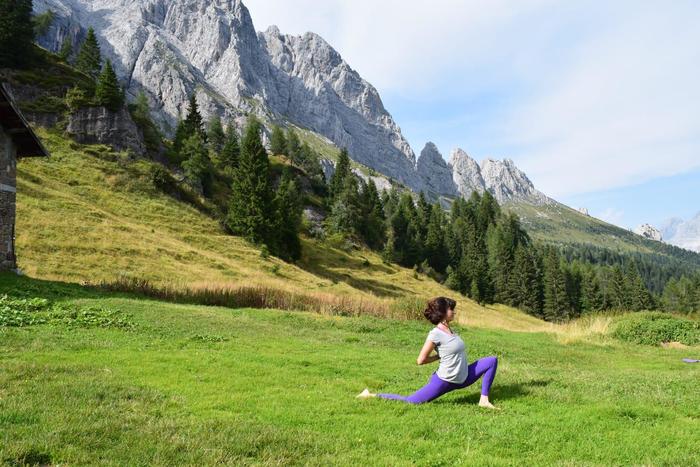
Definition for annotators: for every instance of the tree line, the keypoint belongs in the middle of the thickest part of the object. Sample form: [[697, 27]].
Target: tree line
[[475, 248]]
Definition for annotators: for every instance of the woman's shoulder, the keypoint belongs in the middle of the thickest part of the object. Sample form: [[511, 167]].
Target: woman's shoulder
[[434, 334]]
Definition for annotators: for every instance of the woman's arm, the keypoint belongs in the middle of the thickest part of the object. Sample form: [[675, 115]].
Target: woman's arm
[[425, 351]]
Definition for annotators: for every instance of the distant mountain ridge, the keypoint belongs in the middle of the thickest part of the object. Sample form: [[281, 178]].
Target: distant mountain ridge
[[170, 49]]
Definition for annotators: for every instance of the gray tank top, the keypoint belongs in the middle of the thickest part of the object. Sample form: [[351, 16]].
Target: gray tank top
[[453, 356]]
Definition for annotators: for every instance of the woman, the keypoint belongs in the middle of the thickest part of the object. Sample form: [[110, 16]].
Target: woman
[[453, 372]]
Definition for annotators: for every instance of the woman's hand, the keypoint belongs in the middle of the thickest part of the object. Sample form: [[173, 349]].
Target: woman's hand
[[424, 356]]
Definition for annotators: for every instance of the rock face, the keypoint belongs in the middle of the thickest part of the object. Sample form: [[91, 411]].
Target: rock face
[[92, 125], [508, 183], [648, 231], [685, 234], [88, 125], [172, 48], [437, 175], [466, 174]]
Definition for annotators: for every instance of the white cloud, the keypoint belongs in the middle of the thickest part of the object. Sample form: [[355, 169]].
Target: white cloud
[[624, 112], [590, 95]]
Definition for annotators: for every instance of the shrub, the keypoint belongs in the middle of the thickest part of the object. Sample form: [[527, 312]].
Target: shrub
[[76, 98], [652, 328], [161, 178]]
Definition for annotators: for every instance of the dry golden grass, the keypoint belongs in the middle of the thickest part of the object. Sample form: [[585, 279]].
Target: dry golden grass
[[89, 215]]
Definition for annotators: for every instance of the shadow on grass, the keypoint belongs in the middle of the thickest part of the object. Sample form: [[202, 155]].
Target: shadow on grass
[[499, 392], [29, 287]]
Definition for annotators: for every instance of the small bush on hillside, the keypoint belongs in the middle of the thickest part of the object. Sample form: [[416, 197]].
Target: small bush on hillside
[[652, 328], [161, 178], [76, 98]]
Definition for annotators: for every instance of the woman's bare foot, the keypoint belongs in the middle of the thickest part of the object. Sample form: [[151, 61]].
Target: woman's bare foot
[[365, 394], [484, 402]]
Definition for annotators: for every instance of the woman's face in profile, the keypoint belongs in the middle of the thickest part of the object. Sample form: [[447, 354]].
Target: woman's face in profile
[[450, 316]]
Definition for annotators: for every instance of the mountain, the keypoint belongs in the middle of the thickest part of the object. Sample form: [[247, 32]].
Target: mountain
[[649, 231], [685, 234], [170, 49], [463, 175]]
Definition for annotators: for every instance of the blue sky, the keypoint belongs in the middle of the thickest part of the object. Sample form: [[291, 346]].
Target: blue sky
[[598, 102]]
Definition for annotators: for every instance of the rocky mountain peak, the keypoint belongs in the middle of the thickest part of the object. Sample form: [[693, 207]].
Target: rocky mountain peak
[[506, 182], [436, 174], [466, 173], [649, 231]]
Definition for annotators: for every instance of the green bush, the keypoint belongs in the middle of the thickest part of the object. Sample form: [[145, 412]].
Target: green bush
[[652, 328], [19, 312]]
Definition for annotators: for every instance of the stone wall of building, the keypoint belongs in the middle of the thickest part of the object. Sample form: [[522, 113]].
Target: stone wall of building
[[8, 171]]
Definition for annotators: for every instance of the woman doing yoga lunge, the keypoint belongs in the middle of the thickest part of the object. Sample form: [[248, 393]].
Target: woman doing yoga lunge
[[453, 372]]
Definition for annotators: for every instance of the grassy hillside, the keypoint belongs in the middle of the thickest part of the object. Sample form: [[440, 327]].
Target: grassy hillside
[[112, 380], [89, 214], [557, 223]]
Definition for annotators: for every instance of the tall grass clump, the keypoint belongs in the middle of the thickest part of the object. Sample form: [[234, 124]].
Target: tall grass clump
[[233, 295], [653, 328]]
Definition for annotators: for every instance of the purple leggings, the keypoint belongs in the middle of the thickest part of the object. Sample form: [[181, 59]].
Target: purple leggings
[[436, 387]]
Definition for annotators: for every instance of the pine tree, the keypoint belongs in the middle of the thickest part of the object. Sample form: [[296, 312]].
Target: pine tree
[[194, 122], [278, 143], [311, 164], [475, 291], [16, 32], [216, 135], [196, 165], [435, 247], [501, 251], [616, 289], [526, 281], [372, 225], [287, 221], [405, 235], [555, 300], [591, 295], [342, 171], [108, 92], [250, 206], [422, 216], [637, 296], [89, 59], [488, 211], [66, 50], [346, 210], [230, 153], [572, 279], [293, 145], [178, 141], [141, 114], [672, 297], [42, 22]]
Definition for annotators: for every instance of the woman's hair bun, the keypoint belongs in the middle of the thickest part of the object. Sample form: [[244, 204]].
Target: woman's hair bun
[[436, 310]]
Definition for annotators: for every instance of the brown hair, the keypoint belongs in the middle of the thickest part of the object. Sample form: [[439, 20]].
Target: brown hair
[[437, 309]]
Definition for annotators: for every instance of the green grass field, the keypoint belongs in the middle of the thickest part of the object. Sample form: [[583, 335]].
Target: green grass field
[[197, 385]]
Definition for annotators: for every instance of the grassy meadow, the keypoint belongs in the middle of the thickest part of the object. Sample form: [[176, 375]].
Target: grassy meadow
[[92, 374], [142, 382]]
